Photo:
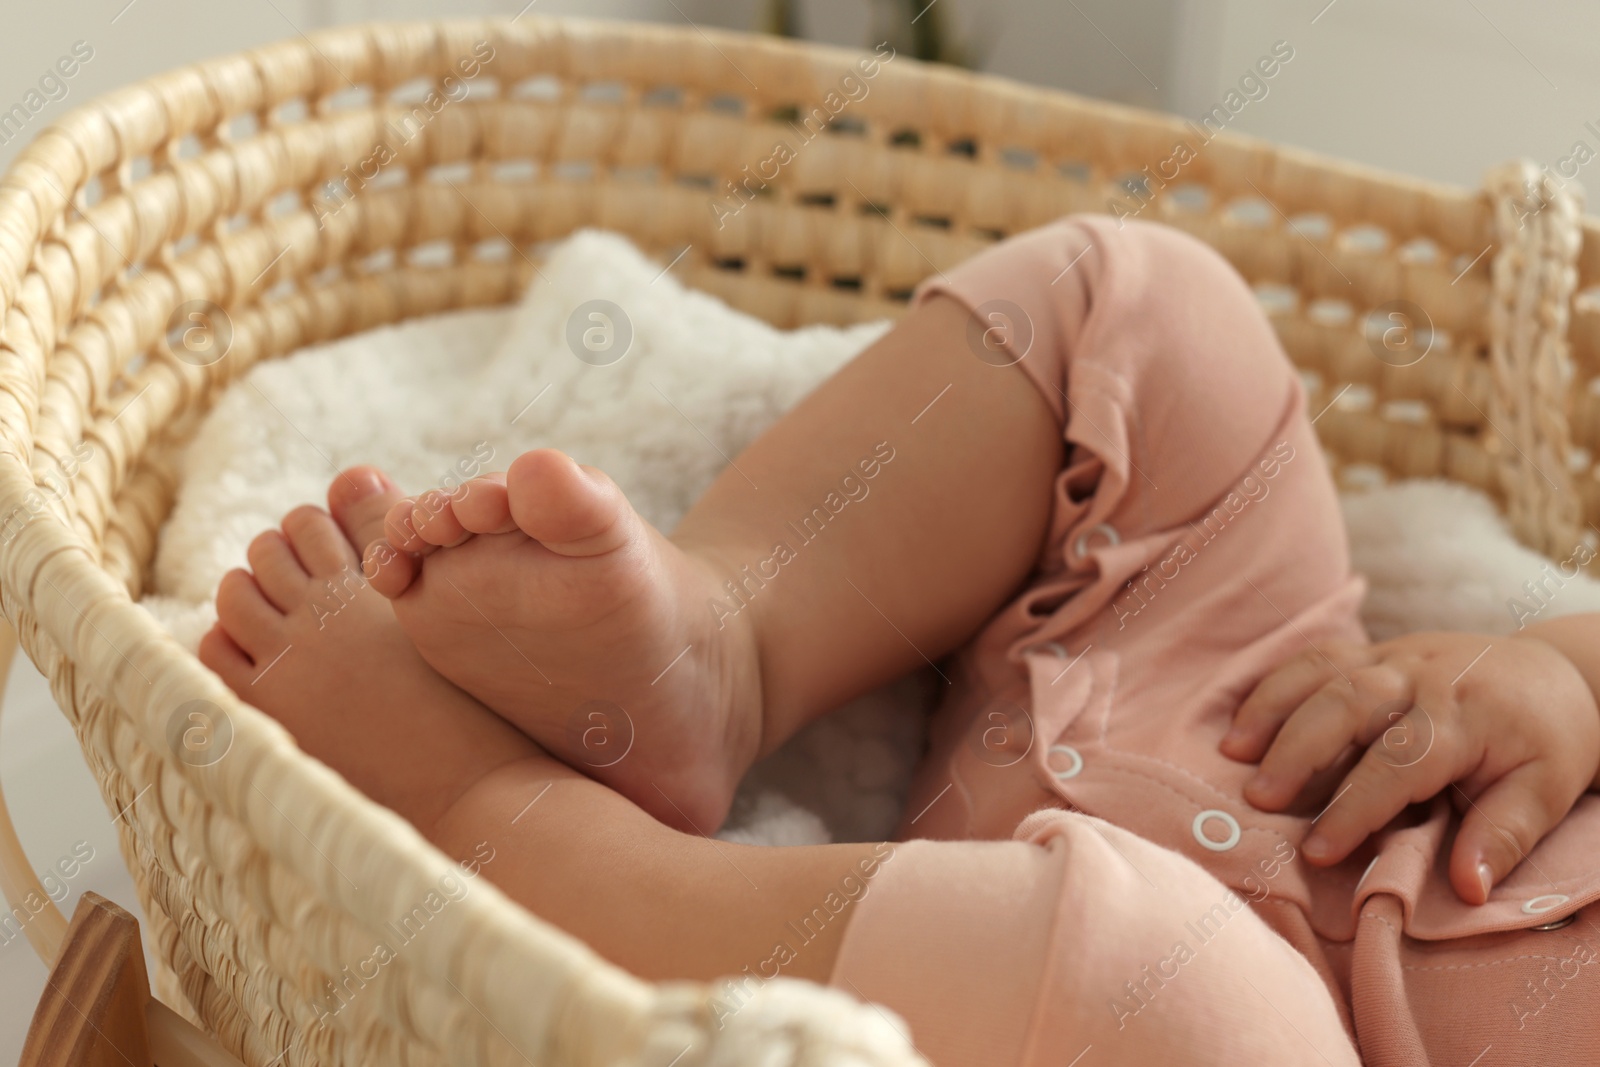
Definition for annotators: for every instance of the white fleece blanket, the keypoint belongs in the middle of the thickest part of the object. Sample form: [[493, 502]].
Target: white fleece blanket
[[432, 399]]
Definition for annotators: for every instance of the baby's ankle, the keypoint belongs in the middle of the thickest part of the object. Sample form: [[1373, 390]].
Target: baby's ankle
[[733, 633]]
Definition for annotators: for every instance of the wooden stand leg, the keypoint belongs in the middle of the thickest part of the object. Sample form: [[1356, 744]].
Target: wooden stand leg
[[92, 1013], [97, 1009]]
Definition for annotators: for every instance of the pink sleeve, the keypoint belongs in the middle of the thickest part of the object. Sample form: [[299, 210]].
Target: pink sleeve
[[1079, 935], [1029, 296], [1151, 352]]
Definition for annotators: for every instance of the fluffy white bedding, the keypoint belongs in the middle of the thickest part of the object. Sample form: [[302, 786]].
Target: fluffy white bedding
[[699, 382]]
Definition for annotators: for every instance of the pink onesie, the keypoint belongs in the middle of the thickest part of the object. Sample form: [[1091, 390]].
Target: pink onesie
[[1196, 542]]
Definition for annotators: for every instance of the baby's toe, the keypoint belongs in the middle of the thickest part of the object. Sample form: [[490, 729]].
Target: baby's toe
[[224, 656], [359, 499], [571, 510], [278, 571], [400, 528], [481, 505], [248, 617], [318, 541], [434, 520], [389, 570]]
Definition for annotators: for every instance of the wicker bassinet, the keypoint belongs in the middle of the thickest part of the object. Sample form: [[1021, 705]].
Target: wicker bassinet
[[262, 874]]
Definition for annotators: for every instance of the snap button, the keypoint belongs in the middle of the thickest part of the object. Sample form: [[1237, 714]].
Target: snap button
[[1072, 754], [1558, 924], [1080, 547], [1228, 820], [1540, 905]]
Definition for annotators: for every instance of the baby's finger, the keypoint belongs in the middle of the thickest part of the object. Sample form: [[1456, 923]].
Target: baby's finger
[[1501, 827], [1379, 788], [1314, 737], [1270, 704]]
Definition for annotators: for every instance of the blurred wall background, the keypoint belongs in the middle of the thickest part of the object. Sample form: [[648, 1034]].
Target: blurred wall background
[[1438, 88]]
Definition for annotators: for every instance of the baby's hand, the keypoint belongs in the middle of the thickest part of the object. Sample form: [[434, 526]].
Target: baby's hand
[[1508, 724]]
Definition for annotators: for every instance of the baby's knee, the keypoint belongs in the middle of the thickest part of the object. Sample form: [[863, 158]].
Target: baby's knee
[[1184, 293], [1170, 965]]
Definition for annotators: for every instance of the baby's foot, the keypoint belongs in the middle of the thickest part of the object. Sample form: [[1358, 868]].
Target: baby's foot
[[302, 637], [544, 594]]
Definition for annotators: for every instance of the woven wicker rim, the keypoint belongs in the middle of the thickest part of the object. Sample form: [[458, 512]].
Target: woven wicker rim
[[161, 194]]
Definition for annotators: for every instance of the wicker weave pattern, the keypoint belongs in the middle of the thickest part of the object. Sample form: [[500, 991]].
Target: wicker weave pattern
[[1533, 285], [263, 874]]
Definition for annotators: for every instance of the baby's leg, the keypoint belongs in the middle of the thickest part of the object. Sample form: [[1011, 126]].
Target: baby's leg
[[871, 530], [946, 533], [301, 637], [1030, 952], [990, 949]]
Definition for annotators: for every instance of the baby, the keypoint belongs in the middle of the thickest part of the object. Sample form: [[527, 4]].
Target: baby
[[1165, 752]]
